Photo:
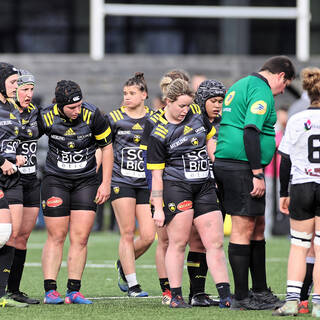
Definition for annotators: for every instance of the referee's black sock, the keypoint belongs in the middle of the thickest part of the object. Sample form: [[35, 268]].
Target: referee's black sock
[[307, 282], [197, 270], [16, 270], [258, 265], [239, 258], [73, 285], [6, 259], [164, 284]]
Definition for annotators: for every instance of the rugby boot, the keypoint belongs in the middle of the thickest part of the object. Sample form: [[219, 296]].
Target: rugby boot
[[178, 302], [303, 307], [52, 297], [22, 297], [122, 281], [315, 310], [6, 302], [225, 303], [267, 296], [76, 297], [166, 297], [290, 308], [136, 292], [202, 300], [250, 303]]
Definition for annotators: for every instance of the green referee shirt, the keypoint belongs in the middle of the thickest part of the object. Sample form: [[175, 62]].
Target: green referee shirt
[[249, 103]]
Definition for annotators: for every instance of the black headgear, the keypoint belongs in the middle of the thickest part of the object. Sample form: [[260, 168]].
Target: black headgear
[[67, 92], [6, 70], [207, 90]]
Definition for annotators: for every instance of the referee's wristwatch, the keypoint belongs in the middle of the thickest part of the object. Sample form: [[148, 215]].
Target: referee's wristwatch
[[259, 176]]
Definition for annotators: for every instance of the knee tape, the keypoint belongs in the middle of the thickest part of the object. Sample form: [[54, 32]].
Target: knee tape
[[316, 239], [5, 233], [301, 239]]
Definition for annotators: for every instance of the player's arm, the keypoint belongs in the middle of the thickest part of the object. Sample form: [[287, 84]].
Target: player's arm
[[102, 134], [252, 148], [285, 169]]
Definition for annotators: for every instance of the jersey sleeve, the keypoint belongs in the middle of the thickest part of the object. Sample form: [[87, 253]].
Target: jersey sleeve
[[101, 129], [156, 154], [287, 140], [209, 127], [259, 107], [145, 135]]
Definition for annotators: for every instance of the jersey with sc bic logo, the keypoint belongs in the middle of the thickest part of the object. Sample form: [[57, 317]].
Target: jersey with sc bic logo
[[28, 138], [128, 165], [10, 126], [72, 144], [180, 149]]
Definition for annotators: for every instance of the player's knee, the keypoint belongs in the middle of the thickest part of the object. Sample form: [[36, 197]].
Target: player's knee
[[5, 233], [316, 240], [301, 239]]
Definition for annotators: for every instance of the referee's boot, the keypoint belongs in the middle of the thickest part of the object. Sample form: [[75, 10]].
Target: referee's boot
[[22, 297], [267, 296]]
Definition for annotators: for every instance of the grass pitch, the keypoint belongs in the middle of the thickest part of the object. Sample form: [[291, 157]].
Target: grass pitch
[[100, 283]]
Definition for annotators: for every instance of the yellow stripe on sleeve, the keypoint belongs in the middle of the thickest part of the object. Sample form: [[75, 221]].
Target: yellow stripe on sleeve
[[211, 133], [103, 135], [155, 166]]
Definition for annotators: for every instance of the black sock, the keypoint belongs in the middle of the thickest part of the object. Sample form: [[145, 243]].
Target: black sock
[[258, 265], [50, 284], [197, 270], [223, 290], [16, 270], [307, 282], [176, 292], [239, 258], [73, 285], [164, 284], [6, 259]]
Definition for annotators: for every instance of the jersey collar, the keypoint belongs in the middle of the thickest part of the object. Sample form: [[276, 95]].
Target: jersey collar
[[258, 75]]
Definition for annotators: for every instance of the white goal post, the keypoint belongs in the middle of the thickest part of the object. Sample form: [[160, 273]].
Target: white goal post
[[99, 10]]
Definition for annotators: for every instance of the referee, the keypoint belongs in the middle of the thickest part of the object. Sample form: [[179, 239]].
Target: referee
[[246, 144]]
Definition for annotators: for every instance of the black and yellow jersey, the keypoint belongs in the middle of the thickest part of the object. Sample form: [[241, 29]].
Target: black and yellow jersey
[[10, 127], [148, 127], [28, 138], [73, 143], [180, 149], [128, 165]]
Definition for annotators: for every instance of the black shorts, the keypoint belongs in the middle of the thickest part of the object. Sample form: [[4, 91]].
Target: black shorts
[[304, 201], [142, 195], [10, 190], [235, 185], [60, 195], [181, 196], [31, 191]]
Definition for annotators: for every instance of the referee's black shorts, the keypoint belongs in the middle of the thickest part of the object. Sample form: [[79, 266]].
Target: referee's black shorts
[[234, 182]]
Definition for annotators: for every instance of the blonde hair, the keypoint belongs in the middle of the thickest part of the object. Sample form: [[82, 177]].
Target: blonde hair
[[177, 88], [169, 77], [311, 82]]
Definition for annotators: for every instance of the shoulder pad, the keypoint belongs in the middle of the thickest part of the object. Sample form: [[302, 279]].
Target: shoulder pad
[[195, 108], [116, 115], [161, 131]]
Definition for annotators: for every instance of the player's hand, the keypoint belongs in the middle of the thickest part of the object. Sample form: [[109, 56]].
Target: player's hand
[[284, 205], [8, 168], [158, 218], [259, 188], [103, 193], [20, 160]]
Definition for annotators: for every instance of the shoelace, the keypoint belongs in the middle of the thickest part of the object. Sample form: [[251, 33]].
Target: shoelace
[[54, 294], [78, 294]]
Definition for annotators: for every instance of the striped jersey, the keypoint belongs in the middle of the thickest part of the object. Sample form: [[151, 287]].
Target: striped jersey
[[180, 149], [73, 143]]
